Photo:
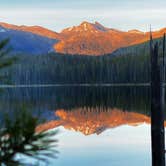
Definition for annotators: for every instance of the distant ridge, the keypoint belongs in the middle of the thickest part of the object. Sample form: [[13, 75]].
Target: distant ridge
[[26, 42], [87, 38]]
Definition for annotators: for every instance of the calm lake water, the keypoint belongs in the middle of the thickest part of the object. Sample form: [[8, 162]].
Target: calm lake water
[[99, 126]]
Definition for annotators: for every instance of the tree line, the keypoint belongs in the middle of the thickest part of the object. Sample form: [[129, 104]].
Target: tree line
[[77, 69]]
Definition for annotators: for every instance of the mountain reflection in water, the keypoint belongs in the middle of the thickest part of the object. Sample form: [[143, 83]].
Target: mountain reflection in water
[[90, 121], [86, 117]]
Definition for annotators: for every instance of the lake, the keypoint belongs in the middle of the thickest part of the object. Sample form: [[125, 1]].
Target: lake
[[99, 126]]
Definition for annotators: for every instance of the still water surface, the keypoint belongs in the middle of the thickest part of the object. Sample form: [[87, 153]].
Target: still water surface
[[99, 126]]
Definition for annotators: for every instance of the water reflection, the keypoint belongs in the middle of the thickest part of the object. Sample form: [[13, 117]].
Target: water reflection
[[94, 120], [86, 117], [86, 109], [47, 100]]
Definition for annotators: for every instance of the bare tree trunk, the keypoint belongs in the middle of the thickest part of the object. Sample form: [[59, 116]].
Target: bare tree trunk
[[157, 114], [163, 75]]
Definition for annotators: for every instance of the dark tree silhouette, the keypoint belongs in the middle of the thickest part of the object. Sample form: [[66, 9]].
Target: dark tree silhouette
[[157, 113]]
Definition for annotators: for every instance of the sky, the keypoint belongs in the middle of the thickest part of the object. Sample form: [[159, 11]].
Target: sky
[[60, 14]]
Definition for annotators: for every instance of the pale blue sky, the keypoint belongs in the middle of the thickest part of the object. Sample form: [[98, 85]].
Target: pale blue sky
[[59, 14]]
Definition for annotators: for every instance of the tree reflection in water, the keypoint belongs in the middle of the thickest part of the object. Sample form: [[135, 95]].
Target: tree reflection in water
[[18, 135]]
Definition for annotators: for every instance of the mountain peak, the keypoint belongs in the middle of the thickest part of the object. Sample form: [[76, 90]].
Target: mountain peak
[[100, 26], [97, 26], [87, 27], [135, 31], [86, 23]]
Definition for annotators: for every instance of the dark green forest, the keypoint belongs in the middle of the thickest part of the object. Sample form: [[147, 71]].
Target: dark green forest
[[75, 69], [126, 65]]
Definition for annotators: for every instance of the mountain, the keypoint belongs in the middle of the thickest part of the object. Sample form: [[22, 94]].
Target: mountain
[[84, 39], [27, 42], [95, 39], [38, 30]]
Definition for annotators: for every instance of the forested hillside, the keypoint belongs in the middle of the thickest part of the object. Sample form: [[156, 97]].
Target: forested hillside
[[126, 65], [26, 42], [73, 69]]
